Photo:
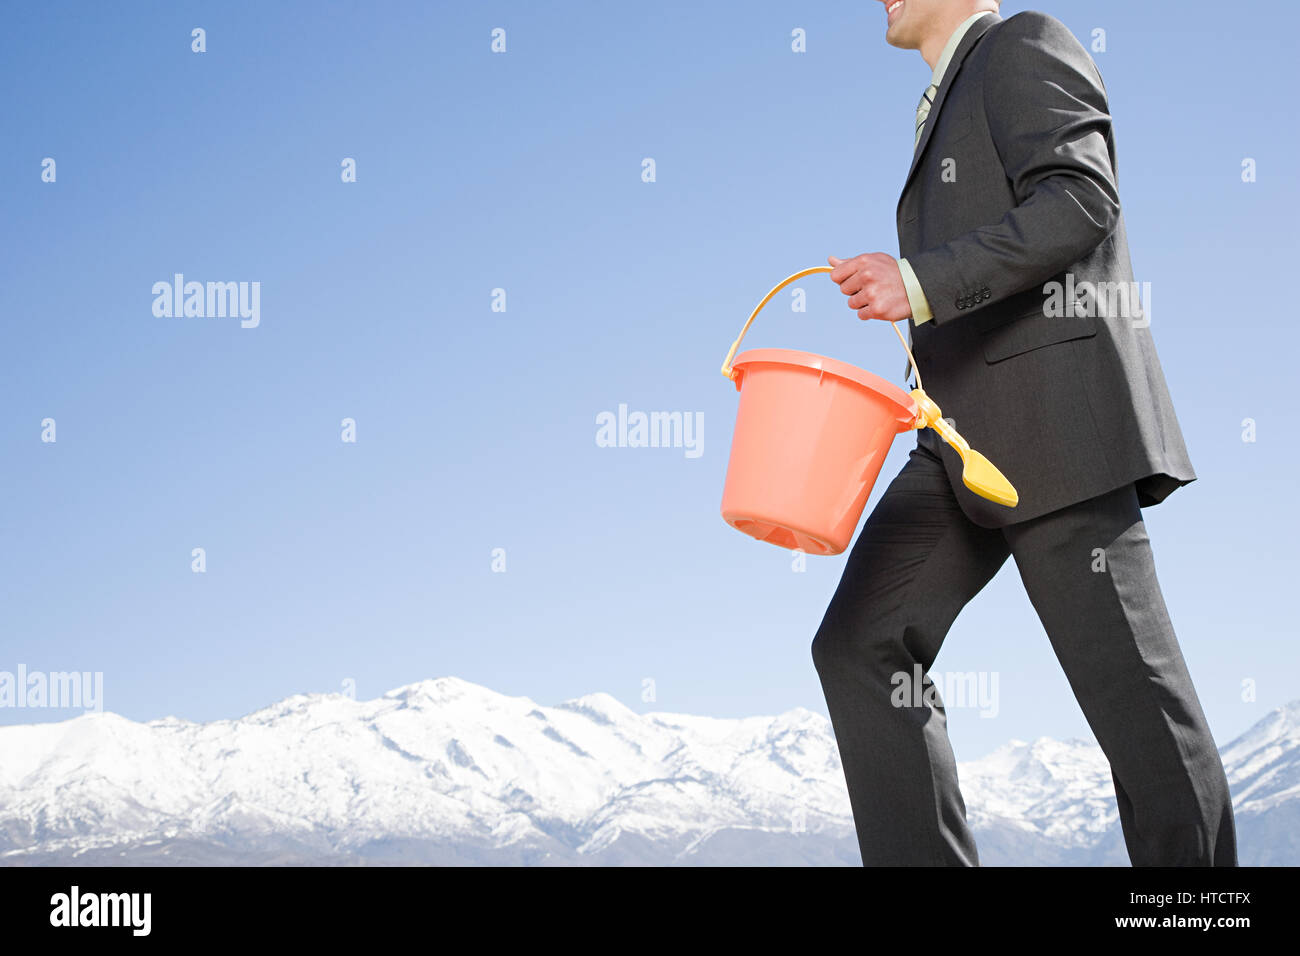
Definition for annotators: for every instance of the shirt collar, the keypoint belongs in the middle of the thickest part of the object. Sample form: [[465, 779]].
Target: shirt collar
[[945, 57]]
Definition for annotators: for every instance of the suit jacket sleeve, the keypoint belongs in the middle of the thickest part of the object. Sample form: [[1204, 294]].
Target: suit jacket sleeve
[[1049, 120]]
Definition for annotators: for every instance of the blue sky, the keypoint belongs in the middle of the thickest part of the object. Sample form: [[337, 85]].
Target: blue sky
[[371, 561]]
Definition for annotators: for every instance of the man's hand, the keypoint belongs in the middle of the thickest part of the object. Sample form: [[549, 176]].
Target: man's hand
[[873, 284]]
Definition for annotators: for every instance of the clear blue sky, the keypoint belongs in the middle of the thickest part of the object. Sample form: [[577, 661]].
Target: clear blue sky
[[476, 429]]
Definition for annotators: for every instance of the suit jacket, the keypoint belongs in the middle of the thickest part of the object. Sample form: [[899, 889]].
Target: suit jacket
[[1068, 407]]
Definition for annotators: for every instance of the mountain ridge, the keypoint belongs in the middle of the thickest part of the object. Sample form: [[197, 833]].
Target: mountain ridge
[[445, 770]]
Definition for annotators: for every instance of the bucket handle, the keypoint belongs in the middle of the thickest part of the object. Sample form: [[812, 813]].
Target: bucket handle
[[730, 372]]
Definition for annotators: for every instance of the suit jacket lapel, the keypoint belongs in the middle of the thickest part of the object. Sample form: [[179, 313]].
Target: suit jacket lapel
[[977, 30]]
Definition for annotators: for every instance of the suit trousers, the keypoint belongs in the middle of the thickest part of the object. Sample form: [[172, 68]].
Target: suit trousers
[[914, 566]]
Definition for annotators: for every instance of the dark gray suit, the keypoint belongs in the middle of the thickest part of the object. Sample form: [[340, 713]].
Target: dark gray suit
[[1074, 410]]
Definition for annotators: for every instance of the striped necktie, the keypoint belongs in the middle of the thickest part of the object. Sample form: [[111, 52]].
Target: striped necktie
[[923, 110]]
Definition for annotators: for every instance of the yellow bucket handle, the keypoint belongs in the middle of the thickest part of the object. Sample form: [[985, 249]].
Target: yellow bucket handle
[[730, 373], [978, 473]]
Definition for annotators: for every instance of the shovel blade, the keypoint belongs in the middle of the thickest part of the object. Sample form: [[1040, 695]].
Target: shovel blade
[[981, 477]]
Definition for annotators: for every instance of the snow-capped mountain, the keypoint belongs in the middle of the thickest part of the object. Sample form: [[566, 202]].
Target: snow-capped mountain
[[1263, 766], [446, 771]]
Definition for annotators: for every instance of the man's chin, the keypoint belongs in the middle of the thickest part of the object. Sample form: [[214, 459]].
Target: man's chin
[[896, 38]]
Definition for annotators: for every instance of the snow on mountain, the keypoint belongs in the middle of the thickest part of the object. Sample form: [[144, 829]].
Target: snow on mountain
[[443, 761], [1059, 790], [446, 771], [1263, 767], [1262, 764]]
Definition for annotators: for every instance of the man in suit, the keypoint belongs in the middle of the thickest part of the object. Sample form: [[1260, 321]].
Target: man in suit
[[1015, 274]]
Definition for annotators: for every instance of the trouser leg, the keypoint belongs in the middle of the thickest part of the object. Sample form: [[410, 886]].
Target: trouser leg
[[916, 563], [1090, 574]]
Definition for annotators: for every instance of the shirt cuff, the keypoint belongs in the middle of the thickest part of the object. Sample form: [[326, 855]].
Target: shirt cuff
[[915, 294]]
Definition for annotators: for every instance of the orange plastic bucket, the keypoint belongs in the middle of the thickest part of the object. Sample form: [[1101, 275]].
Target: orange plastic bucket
[[811, 435]]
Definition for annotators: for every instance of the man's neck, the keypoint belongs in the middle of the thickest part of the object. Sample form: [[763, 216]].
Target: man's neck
[[932, 46]]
